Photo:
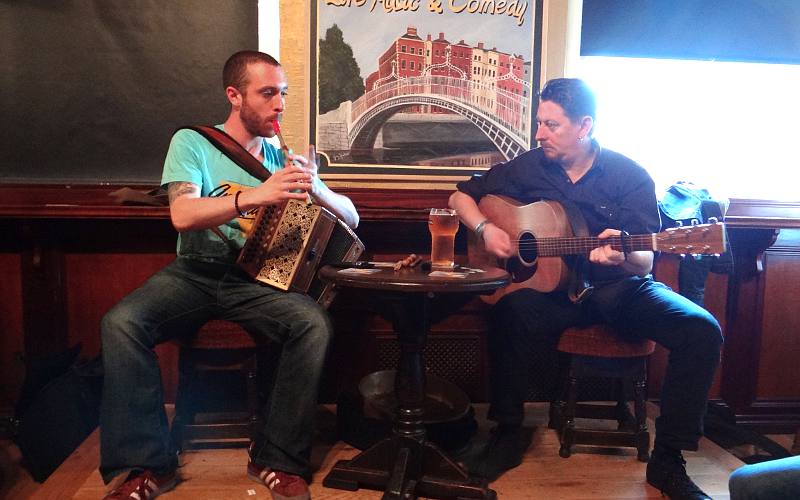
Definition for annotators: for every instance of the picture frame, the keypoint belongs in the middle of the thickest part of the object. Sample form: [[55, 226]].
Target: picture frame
[[420, 94]]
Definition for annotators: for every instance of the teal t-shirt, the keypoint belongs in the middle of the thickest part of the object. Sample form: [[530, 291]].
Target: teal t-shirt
[[191, 158]]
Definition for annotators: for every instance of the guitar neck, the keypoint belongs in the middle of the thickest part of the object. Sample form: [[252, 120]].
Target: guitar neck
[[552, 247], [542, 229]]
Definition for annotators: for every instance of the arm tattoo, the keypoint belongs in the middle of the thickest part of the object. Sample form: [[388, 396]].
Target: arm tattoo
[[176, 189]]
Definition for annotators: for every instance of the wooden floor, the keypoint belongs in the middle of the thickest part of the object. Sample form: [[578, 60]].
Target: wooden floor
[[596, 473]]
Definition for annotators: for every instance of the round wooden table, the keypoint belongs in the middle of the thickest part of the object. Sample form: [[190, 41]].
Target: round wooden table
[[406, 465]]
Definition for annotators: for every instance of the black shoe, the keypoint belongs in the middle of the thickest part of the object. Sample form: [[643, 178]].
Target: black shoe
[[504, 451], [667, 472]]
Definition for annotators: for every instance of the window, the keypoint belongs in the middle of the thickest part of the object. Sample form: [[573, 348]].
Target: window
[[694, 91], [729, 127]]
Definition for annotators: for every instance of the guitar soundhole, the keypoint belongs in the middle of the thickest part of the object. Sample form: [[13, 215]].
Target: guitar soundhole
[[523, 267], [527, 248]]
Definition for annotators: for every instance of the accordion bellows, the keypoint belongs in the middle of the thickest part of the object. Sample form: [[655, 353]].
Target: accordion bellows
[[290, 241]]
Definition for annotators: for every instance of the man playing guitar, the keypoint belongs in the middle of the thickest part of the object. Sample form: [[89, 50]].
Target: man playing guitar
[[611, 196]]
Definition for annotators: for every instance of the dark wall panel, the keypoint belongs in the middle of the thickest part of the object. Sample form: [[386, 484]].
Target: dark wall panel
[[92, 91]]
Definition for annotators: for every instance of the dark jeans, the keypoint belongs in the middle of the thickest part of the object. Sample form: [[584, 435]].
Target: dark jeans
[[527, 323], [178, 300]]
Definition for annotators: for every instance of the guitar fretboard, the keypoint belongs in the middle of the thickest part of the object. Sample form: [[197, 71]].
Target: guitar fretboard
[[574, 245]]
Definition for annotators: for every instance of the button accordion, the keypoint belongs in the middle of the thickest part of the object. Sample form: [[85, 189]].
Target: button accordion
[[290, 241]]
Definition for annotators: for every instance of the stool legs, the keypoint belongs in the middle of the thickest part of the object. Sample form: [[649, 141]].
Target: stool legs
[[642, 435], [558, 405], [625, 421], [631, 431], [184, 400], [254, 420], [228, 427], [568, 428]]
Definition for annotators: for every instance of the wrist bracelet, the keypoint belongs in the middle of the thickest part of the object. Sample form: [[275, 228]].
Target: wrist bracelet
[[480, 227], [236, 204]]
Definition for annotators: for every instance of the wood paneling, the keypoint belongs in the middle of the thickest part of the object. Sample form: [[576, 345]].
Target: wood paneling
[[779, 346], [102, 280], [12, 340], [74, 255]]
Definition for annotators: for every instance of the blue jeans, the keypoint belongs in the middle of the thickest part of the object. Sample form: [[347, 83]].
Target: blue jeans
[[772, 480], [526, 326], [176, 301]]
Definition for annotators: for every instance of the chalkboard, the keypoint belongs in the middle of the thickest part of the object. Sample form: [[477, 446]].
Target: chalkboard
[[92, 91]]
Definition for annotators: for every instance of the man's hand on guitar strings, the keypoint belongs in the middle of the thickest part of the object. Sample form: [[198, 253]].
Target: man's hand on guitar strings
[[606, 255]]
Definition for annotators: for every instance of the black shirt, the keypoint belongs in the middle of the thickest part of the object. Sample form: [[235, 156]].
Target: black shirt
[[615, 193]]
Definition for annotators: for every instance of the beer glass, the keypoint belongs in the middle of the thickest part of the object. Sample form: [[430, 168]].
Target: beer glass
[[443, 225]]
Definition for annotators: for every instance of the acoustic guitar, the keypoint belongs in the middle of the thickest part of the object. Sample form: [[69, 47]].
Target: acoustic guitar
[[542, 235]]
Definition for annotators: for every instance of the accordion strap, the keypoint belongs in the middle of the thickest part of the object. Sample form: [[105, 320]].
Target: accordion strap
[[232, 150]]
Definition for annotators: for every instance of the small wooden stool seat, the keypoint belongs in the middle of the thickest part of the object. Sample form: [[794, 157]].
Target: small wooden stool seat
[[217, 346], [598, 351]]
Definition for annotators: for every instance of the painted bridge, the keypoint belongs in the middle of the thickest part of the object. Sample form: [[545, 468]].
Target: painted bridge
[[503, 116]]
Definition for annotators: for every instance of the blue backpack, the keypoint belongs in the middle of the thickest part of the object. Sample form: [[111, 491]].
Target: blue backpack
[[684, 204]]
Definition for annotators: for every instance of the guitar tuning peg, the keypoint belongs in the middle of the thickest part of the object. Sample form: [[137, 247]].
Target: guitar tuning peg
[[695, 222]]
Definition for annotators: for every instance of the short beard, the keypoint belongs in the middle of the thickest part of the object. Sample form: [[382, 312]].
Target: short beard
[[253, 123]]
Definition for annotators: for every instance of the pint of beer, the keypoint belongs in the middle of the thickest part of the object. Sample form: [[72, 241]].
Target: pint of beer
[[443, 225]]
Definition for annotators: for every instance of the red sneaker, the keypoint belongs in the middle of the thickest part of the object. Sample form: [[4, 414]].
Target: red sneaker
[[282, 485], [143, 486]]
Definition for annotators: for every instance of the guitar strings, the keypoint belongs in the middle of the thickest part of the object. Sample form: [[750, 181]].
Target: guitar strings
[[580, 241], [575, 245]]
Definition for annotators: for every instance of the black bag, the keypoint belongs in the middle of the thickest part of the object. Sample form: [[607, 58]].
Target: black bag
[[59, 417]]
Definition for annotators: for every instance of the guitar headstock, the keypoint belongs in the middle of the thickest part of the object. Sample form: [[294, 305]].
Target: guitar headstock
[[700, 239]]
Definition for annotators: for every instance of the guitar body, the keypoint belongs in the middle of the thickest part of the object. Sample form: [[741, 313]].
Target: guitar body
[[541, 234], [524, 223]]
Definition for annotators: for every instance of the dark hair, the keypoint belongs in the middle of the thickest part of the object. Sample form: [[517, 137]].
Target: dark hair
[[234, 74], [573, 95]]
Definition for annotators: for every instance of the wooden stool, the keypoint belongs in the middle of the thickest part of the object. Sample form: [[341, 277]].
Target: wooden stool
[[597, 351], [218, 346]]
